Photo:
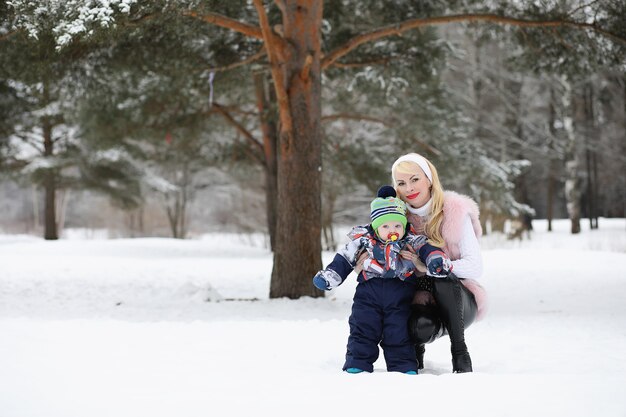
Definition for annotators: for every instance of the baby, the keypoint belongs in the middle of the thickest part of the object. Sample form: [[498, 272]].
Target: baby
[[382, 300]]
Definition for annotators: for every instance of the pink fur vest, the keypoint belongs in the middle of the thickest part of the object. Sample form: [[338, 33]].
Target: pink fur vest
[[455, 209]]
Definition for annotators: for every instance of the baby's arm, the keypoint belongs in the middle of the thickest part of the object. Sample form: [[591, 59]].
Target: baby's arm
[[338, 270], [437, 263]]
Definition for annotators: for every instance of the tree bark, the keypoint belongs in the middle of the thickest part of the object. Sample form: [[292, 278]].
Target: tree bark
[[328, 207], [50, 232], [49, 185], [550, 196], [171, 208], [295, 61], [266, 102], [623, 214], [571, 109], [185, 196], [591, 134], [62, 200], [36, 213], [551, 161]]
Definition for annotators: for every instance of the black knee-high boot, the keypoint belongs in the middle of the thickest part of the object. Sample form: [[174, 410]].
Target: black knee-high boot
[[424, 327], [457, 308]]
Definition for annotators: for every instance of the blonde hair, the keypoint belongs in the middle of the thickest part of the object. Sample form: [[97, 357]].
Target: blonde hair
[[435, 218]]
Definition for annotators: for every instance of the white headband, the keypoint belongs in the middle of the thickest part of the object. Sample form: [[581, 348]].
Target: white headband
[[416, 159]]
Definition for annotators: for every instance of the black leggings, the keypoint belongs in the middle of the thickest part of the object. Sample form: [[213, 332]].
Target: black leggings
[[428, 322]]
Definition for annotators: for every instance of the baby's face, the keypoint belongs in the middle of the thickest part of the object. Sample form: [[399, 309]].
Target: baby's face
[[387, 231]]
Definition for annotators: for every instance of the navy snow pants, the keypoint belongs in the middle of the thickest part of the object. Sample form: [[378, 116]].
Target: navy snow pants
[[380, 314]]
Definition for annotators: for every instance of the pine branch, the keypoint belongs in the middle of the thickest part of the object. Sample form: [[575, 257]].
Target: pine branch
[[235, 110], [138, 20], [380, 61], [582, 6], [399, 28], [31, 140], [9, 34], [13, 164], [388, 124], [427, 147], [248, 60], [227, 22], [354, 116], [241, 129]]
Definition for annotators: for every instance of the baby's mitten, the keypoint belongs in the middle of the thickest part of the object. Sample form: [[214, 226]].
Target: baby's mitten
[[320, 282], [438, 264]]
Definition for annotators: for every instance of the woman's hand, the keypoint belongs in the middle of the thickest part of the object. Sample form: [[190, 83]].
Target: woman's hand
[[359, 262], [409, 254]]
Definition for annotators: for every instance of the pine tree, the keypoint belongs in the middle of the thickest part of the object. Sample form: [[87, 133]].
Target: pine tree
[[297, 45]]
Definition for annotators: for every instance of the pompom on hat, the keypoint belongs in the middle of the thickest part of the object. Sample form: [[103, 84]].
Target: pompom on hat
[[386, 207]]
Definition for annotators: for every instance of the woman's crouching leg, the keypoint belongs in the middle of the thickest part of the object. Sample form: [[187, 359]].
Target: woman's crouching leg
[[457, 310], [425, 326]]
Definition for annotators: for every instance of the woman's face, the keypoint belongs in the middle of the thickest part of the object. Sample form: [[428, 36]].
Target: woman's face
[[413, 188]]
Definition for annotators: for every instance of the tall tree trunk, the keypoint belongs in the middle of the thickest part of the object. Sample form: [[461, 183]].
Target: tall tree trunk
[[487, 215], [521, 182], [182, 217], [624, 147], [171, 218], [571, 109], [172, 208], [36, 213], [50, 231], [176, 203], [551, 187], [62, 200], [590, 188], [594, 173], [49, 185], [184, 196], [590, 133], [551, 160], [294, 53], [328, 207], [266, 105]]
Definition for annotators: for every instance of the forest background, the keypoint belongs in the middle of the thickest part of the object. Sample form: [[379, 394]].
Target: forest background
[[178, 118]]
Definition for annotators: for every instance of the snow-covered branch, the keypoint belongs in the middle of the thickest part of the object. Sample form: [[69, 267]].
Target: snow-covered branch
[[399, 28], [71, 17]]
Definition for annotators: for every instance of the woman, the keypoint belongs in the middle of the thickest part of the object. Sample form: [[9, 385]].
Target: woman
[[450, 220]]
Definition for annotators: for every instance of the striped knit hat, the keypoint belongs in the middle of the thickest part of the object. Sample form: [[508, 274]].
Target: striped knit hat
[[387, 208]]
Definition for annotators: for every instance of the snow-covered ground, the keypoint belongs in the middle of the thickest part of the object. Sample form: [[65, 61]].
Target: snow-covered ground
[[116, 328]]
